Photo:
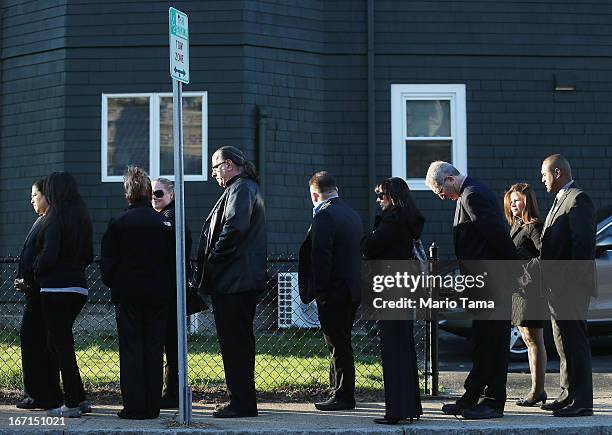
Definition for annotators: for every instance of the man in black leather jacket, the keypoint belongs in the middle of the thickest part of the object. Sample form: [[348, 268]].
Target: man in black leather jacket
[[232, 269]]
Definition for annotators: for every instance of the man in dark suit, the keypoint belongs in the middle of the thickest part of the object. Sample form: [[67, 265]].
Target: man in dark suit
[[232, 269], [479, 234], [569, 234], [329, 272]]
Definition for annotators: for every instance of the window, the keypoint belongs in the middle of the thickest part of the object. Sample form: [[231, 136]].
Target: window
[[428, 123], [137, 130]]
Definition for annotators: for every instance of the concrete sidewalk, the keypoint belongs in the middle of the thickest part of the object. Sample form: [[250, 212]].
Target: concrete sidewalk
[[303, 418]]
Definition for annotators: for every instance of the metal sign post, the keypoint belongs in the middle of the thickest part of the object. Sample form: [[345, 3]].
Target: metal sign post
[[179, 71]]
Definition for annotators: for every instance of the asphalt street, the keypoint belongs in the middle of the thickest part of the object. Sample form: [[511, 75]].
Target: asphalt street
[[454, 355]]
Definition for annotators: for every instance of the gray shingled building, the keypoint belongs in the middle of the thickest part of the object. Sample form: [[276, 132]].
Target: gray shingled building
[[363, 88]]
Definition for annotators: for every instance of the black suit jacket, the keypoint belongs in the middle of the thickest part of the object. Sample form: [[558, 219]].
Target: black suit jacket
[[569, 234], [138, 256], [330, 256], [527, 239], [479, 229]]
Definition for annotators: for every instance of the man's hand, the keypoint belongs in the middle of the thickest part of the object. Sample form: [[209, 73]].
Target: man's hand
[[20, 285]]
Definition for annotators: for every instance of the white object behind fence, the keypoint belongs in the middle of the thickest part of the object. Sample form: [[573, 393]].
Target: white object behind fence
[[291, 310]]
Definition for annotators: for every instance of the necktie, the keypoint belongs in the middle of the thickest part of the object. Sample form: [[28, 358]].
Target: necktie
[[551, 213]]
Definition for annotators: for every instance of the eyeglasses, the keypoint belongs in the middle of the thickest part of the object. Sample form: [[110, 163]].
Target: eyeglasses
[[159, 194], [213, 167], [380, 195]]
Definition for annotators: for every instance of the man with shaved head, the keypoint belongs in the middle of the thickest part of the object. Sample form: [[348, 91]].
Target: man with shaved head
[[569, 234]]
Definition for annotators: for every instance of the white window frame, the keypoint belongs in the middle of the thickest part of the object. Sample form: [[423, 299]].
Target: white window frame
[[455, 93], [154, 133]]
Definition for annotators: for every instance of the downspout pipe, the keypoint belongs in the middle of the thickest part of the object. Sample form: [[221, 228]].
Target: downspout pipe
[[371, 112], [262, 128]]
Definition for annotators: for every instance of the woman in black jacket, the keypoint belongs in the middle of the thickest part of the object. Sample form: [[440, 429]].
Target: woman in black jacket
[[528, 304], [136, 263], [40, 371], [163, 202], [392, 239], [64, 249]]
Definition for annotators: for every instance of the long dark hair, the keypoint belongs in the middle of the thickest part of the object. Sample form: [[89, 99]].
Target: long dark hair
[[402, 203], [237, 156], [68, 208]]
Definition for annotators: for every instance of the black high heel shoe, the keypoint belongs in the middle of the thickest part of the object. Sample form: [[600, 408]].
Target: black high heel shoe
[[526, 402], [386, 420]]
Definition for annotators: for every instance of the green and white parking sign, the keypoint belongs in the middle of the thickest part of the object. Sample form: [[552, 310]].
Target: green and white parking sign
[[179, 45]]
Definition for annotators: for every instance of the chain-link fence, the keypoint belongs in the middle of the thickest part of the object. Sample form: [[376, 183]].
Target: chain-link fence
[[291, 353]]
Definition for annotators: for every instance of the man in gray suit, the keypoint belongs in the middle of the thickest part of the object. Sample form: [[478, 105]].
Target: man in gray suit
[[569, 234]]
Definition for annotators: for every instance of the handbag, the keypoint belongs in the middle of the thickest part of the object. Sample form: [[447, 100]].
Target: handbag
[[194, 301]]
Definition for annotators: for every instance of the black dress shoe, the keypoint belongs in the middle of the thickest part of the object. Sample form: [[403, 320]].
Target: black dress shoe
[[573, 411], [555, 405], [142, 415], [27, 403], [335, 404], [227, 412], [534, 401], [454, 408], [481, 412], [169, 403]]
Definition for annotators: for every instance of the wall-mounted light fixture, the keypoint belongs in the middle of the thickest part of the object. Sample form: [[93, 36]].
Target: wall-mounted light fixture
[[565, 81]]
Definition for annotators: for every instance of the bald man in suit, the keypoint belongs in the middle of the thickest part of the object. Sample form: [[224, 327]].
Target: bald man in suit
[[569, 234]]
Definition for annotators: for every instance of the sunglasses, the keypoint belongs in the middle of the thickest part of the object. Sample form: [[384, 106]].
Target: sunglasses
[[380, 195], [213, 167], [159, 194]]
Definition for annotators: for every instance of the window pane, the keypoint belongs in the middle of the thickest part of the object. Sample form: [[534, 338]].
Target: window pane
[[192, 136], [419, 155], [428, 118], [128, 134]]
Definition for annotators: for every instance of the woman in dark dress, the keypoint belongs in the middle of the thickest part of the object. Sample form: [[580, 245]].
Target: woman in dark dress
[[528, 305], [392, 239]]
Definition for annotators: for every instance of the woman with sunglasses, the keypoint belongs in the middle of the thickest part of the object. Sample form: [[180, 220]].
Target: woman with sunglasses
[[163, 202], [392, 238]]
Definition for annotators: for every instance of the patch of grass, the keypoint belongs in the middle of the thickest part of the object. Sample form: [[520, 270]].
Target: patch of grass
[[285, 360]]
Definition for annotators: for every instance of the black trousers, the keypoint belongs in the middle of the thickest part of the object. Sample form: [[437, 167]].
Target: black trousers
[[576, 379], [171, 381], [141, 331], [40, 368], [490, 352], [60, 310], [400, 372], [234, 315], [337, 324]]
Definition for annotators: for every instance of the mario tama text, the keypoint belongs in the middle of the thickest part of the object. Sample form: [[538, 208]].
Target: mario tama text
[[402, 290]]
